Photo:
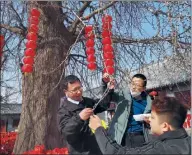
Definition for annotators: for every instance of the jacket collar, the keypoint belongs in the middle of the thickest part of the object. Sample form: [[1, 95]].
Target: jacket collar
[[179, 133], [73, 107], [72, 101]]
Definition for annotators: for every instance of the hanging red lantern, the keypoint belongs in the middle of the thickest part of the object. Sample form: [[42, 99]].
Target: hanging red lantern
[[92, 66], [110, 70], [90, 50], [2, 42], [107, 18], [153, 93], [90, 43], [106, 40], [28, 60], [31, 44], [35, 12], [29, 52], [26, 68], [108, 55], [88, 28], [107, 48], [33, 28], [91, 58], [108, 62], [107, 26], [32, 36], [34, 20], [90, 35], [106, 33]]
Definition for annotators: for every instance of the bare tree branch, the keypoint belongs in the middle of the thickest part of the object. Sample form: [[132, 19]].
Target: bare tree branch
[[145, 41], [98, 10], [79, 14], [77, 55], [16, 30]]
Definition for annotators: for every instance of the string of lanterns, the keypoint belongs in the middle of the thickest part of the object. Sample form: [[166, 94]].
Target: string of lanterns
[[108, 54], [90, 51], [2, 42], [31, 44]]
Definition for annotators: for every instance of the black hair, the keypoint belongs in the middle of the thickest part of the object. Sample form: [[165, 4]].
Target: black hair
[[141, 76], [70, 79], [170, 107]]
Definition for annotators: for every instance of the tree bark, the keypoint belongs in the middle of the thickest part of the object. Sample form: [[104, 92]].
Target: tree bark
[[40, 101]]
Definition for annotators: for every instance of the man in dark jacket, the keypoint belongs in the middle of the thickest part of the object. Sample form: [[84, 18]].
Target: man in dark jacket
[[124, 129], [74, 113], [167, 118]]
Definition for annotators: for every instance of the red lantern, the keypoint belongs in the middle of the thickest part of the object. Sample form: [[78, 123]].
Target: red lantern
[[90, 50], [107, 18], [27, 68], [88, 28], [2, 42], [49, 152], [107, 26], [91, 66], [108, 62], [108, 55], [91, 58], [33, 28], [106, 40], [29, 52], [153, 93], [109, 70], [107, 48], [106, 33], [32, 36], [31, 44], [28, 60], [90, 43], [40, 148], [90, 35], [35, 12], [34, 20]]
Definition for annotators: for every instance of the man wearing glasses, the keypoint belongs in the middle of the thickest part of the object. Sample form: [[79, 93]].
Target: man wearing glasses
[[75, 111], [124, 129]]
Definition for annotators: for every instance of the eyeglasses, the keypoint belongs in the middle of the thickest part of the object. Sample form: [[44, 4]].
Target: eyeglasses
[[76, 90], [136, 85]]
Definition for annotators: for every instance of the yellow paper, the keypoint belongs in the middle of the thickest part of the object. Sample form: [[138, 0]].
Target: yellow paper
[[104, 125]]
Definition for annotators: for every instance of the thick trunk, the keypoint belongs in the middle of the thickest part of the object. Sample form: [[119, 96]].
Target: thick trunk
[[38, 122]]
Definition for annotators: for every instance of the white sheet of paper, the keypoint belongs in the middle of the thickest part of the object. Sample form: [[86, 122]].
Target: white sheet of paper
[[140, 117]]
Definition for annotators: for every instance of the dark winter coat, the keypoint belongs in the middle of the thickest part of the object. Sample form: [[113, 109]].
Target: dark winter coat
[[171, 142], [75, 131]]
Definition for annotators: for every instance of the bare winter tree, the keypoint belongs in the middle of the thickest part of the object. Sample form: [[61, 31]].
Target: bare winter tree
[[143, 32]]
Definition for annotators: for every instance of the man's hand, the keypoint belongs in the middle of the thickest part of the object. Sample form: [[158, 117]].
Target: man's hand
[[86, 113], [106, 77], [109, 80], [147, 119], [111, 84], [94, 122]]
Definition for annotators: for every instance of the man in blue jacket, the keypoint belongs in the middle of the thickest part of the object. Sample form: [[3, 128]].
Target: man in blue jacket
[[166, 121], [124, 129]]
